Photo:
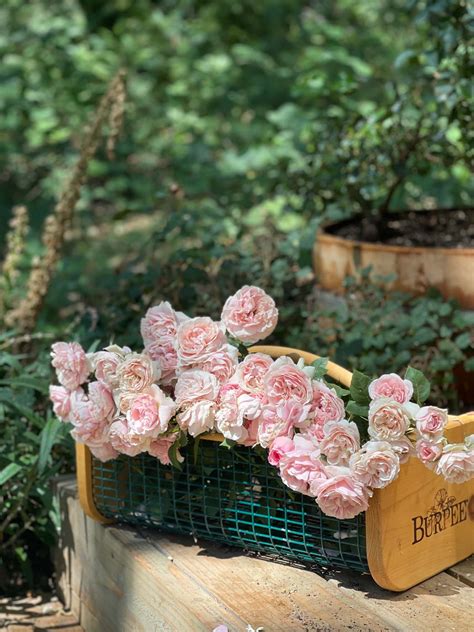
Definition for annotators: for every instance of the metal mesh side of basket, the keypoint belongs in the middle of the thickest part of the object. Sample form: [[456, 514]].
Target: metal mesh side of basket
[[232, 496]]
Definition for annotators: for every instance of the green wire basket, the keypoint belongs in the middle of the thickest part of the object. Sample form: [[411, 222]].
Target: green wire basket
[[232, 496]]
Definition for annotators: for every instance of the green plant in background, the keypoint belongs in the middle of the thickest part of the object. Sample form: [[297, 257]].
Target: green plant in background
[[375, 331], [30, 454]]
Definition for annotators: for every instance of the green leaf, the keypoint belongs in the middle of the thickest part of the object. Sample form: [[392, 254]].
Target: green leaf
[[228, 443], [357, 409], [360, 387], [8, 472], [340, 391], [49, 435], [173, 455], [421, 386], [320, 366]]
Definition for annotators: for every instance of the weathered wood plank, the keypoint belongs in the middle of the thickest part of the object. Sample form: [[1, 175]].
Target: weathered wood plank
[[130, 580], [464, 571]]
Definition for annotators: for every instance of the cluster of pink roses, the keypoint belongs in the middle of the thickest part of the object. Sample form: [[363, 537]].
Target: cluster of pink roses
[[188, 380]]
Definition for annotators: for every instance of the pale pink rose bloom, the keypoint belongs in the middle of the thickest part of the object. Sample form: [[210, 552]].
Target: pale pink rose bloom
[[271, 426], [90, 416], [294, 413], [197, 339], [341, 440], [195, 385], [431, 422], [234, 409], [125, 441], [61, 400], [102, 400], [279, 447], [342, 496], [71, 364], [159, 323], [404, 448], [388, 420], [251, 372], [300, 467], [221, 363], [166, 356], [250, 314], [252, 433], [104, 452], [428, 452], [376, 464], [160, 447], [391, 386], [136, 372], [456, 464], [159, 330], [198, 417], [284, 380], [326, 406], [149, 414], [104, 364]]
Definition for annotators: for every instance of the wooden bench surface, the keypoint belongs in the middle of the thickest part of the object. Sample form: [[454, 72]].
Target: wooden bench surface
[[123, 579]]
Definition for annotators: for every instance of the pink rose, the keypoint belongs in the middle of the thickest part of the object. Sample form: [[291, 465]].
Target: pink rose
[[456, 464], [250, 314], [234, 409], [293, 413], [301, 467], [104, 452], [71, 364], [160, 324], [221, 363], [376, 464], [137, 372], [428, 452], [271, 426], [341, 440], [167, 358], [326, 407], [125, 441], [388, 420], [61, 399], [252, 432], [279, 447], [198, 417], [431, 422], [90, 415], [104, 364], [149, 414], [285, 380], [391, 386], [197, 339], [159, 330], [160, 448], [341, 495], [404, 449], [195, 385], [251, 372]]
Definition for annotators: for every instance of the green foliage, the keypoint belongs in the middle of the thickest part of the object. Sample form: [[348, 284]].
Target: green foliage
[[29, 456], [379, 331]]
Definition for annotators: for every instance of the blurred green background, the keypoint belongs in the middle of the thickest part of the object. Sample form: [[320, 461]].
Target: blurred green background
[[247, 124]]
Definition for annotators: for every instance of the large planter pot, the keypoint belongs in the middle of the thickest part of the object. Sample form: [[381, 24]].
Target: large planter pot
[[450, 270]]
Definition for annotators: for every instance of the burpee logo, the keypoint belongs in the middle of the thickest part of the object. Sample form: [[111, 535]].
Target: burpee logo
[[446, 512]]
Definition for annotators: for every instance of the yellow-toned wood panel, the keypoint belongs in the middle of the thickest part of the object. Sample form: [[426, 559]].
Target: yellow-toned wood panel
[[84, 483], [420, 524]]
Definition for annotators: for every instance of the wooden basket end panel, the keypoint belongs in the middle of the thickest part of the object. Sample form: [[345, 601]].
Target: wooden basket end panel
[[420, 524], [84, 483]]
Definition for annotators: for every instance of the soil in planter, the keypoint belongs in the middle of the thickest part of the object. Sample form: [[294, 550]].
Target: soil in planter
[[435, 229]]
